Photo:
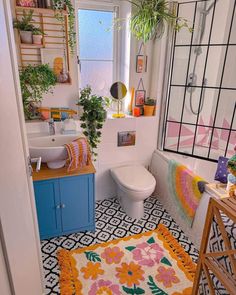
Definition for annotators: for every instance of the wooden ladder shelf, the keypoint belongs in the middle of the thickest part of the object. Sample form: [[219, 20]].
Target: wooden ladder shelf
[[208, 260]]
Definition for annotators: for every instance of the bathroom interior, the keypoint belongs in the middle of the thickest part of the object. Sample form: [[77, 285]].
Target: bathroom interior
[[118, 147]]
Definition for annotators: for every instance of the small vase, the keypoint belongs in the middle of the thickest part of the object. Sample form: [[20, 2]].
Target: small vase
[[148, 110], [26, 37], [63, 77], [37, 39]]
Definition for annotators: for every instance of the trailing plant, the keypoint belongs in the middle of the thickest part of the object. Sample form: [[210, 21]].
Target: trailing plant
[[150, 102], [35, 81], [24, 24], [93, 117], [150, 17], [59, 6]]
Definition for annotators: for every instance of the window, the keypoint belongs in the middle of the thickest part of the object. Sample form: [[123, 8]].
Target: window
[[97, 48]]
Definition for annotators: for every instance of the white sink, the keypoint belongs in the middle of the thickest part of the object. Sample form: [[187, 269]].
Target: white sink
[[51, 148]]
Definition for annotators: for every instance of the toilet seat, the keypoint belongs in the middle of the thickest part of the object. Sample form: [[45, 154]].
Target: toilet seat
[[134, 178]]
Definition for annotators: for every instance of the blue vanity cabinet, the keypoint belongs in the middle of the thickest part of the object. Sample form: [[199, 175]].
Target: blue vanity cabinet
[[77, 203], [47, 199], [65, 205]]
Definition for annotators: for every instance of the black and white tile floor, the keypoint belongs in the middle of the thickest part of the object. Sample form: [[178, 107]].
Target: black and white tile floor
[[111, 223]]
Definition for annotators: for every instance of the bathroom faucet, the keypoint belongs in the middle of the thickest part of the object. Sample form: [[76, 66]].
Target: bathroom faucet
[[51, 127]]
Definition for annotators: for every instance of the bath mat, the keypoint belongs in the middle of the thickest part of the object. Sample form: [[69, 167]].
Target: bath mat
[[149, 263], [186, 188]]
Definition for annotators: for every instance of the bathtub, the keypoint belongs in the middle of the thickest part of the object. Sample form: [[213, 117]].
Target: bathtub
[[205, 169]]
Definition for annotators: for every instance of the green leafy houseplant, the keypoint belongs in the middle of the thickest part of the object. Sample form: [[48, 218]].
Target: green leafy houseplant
[[149, 18], [35, 81], [150, 102], [59, 6], [25, 27], [37, 31], [93, 117], [24, 23]]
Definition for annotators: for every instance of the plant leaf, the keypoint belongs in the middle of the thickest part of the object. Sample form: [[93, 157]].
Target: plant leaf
[[130, 248], [153, 287], [151, 241], [138, 291], [166, 261], [92, 256], [128, 290]]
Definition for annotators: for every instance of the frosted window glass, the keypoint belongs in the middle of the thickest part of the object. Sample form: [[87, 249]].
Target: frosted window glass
[[95, 34], [98, 74]]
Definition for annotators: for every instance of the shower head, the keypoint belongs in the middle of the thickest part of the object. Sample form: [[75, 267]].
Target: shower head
[[206, 11]]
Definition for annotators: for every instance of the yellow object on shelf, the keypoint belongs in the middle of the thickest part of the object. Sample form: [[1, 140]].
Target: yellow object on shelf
[[120, 115]]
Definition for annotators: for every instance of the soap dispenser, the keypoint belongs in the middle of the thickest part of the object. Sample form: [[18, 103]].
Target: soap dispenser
[[69, 126]]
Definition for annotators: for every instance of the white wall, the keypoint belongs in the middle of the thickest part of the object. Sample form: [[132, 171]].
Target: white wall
[[109, 155], [17, 220]]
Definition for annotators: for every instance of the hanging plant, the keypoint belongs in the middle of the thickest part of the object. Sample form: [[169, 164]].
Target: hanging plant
[[150, 17], [35, 81], [94, 115], [59, 6]]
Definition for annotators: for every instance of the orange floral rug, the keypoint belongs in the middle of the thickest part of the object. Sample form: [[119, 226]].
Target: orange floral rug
[[149, 263]]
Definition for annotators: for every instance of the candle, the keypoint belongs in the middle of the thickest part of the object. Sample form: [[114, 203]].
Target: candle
[[136, 112], [131, 101]]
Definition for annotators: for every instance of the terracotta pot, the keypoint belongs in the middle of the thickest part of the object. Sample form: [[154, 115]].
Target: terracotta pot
[[148, 110], [26, 37], [37, 39]]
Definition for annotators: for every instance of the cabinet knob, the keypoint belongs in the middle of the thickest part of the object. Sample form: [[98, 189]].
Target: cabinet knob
[[63, 206], [58, 207]]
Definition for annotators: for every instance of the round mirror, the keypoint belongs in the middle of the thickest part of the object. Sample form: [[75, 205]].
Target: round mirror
[[118, 90]]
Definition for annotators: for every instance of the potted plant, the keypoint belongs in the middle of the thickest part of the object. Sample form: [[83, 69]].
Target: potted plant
[[93, 117], [35, 81], [149, 18], [25, 27], [149, 107], [37, 36]]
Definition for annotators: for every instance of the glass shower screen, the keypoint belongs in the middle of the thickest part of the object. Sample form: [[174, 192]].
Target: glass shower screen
[[201, 100]]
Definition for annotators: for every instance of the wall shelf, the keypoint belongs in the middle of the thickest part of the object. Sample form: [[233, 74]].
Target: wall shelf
[[40, 10], [56, 37], [25, 45]]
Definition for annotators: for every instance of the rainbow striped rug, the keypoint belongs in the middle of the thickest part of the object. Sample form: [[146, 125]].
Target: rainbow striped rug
[[186, 188]]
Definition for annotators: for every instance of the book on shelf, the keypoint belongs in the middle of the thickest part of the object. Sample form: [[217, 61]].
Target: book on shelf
[[44, 3]]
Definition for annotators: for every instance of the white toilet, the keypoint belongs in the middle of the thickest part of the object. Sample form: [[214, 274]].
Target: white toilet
[[134, 184]]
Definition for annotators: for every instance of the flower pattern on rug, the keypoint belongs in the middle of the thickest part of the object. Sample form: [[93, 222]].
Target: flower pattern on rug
[[148, 254], [142, 264], [187, 291], [167, 276], [92, 270], [112, 255], [130, 274], [103, 287]]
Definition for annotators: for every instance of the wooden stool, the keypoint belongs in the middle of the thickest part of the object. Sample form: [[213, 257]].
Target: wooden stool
[[208, 260]]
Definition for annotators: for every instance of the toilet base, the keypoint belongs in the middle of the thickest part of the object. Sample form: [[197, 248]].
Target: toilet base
[[131, 208]]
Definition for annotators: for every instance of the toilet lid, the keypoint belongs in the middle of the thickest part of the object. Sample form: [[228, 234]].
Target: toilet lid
[[135, 178]]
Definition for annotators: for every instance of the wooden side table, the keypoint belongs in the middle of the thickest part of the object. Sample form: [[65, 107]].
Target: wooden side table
[[208, 260]]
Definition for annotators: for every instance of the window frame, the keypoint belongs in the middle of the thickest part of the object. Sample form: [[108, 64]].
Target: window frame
[[110, 6]]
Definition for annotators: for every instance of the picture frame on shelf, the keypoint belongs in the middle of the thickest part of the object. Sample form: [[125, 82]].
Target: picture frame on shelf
[[140, 96], [56, 59]]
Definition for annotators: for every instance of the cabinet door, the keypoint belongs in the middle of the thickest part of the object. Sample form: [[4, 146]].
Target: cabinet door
[[48, 207], [77, 202]]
